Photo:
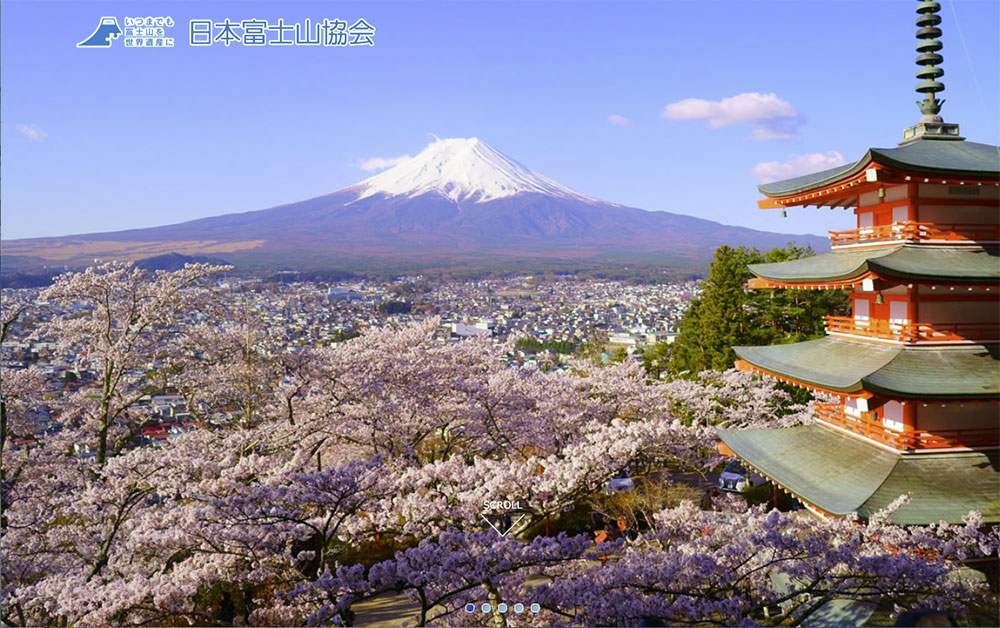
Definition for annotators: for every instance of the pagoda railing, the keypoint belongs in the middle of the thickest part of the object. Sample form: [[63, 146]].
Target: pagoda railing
[[981, 438], [916, 231], [906, 332]]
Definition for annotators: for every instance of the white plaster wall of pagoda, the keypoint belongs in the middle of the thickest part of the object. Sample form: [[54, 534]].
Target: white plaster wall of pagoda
[[899, 213], [957, 416], [896, 296], [862, 308], [892, 415], [892, 193]]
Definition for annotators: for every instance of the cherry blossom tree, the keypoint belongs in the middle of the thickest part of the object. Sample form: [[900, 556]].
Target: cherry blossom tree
[[696, 568], [395, 439], [130, 320], [225, 366], [768, 568], [444, 573], [734, 399]]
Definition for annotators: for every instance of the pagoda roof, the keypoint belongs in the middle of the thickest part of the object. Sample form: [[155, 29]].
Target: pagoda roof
[[849, 366], [940, 156], [906, 261], [841, 475]]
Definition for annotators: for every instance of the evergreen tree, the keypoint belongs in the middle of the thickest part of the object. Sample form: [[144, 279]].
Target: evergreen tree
[[718, 319], [727, 314], [783, 316], [656, 359], [687, 352]]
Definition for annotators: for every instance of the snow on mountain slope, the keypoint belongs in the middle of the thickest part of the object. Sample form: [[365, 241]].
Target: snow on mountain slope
[[458, 201], [463, 169]]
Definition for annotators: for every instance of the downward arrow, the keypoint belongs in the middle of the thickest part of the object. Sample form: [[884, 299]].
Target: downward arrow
[[504, 533]]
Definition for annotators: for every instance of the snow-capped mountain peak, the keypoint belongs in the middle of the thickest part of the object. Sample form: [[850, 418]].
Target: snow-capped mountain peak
[[463, 169]]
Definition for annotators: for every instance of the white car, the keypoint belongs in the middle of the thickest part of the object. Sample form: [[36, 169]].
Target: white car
[[621, 482], [736, 478]]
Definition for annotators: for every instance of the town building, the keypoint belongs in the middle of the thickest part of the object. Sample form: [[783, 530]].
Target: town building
[[914, 370]]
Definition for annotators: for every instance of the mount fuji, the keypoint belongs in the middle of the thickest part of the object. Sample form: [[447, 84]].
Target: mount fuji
[[458, 202]]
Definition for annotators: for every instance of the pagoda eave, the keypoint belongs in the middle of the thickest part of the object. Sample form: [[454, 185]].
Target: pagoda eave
[[759, 283], [762, 283], [837, 474], [967, 265], [921, 161], [850, 391], [845, 193], [860, 391], [840, 194], [856, 368]]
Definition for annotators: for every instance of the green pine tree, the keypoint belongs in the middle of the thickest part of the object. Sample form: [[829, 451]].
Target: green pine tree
[[717, 319], [727, 314]]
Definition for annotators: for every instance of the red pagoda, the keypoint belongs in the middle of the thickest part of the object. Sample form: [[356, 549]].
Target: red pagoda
[[915, 369]]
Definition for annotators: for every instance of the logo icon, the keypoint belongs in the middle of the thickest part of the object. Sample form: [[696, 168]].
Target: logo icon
[[107, 30]]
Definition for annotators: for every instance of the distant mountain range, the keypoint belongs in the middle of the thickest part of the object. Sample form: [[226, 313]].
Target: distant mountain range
[[458, 202]]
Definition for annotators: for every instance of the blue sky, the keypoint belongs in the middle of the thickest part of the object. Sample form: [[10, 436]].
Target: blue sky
[[677, 106]]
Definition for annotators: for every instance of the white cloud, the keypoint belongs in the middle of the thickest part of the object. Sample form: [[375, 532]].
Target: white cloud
[[770, 117], [768, 171], [380, 163], [618, 120], [772, 133], [33, 132]]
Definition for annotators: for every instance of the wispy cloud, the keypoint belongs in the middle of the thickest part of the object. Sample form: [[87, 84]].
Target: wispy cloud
[[618, 120], [33, 132], [768, 171], [770, 117], [380, 163], [774, 132]]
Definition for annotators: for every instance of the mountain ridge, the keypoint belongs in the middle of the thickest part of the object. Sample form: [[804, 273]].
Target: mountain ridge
[[458, 199], [466, 169]]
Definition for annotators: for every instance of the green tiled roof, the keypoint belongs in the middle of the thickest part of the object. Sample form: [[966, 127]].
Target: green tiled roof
[[944, 157], [906, 261], [964, 371], [841, 475], [940, 372]]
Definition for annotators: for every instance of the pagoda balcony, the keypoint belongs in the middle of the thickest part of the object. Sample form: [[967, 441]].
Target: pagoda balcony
[[910, 231], [912, 333], [833, 415]]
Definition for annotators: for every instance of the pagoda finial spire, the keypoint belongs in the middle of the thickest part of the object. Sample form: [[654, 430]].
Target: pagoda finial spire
[[931, 125], [929, 59]]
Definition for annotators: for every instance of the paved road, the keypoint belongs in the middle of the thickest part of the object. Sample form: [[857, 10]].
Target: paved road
[[391, 609]]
